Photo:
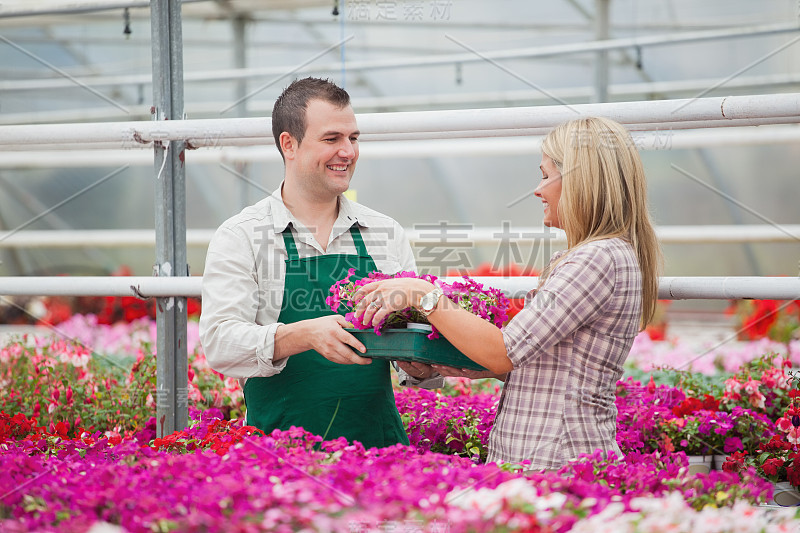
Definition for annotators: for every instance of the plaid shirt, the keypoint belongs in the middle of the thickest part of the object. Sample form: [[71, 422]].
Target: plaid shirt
[[568, 346]]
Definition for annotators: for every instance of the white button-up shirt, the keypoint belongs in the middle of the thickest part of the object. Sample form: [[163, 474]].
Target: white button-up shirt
[[243, 280]]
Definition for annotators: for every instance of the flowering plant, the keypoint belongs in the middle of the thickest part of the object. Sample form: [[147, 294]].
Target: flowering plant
[[779, 458], [700, 427], [457, 425], [762, 384], [488, 303], [110, 386], [778, 320], [692, 426]]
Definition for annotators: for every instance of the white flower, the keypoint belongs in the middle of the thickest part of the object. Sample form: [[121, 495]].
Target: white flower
[[490, 501]]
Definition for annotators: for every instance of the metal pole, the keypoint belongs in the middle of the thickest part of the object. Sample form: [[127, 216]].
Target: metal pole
[[670, 288], [170, 192], [601, 61], [660, 115], [240, 62], [478, 235], [486, 147]]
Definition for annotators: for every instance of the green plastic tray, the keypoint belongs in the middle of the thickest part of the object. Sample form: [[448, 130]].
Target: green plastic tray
[[412, 345]]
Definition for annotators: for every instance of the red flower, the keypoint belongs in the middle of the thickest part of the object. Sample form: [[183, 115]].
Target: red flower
[[793, 471], [656, 333], [193, 307], [651, 385], [691, 405], [735, 462], [758, 323], [771, 466], [58, 310], [710, 403], [61, 429], [775, 444]]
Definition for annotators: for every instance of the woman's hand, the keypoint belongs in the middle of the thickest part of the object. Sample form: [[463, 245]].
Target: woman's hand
[[416, 370], [379, 299]]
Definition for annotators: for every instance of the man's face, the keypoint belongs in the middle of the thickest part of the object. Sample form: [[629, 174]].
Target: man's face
[[324, 162]]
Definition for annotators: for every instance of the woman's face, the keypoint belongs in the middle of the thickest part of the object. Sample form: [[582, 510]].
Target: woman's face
[[549, 190]]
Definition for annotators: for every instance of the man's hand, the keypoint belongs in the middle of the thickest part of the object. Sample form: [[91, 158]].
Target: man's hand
[[333, 343], [323, 335], [450, 371], [416, 370]]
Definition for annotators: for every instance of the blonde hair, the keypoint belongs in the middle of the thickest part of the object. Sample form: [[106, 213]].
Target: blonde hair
[[604, 195]]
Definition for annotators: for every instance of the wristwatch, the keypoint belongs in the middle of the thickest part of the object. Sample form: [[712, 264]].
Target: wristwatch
[[428, 302]]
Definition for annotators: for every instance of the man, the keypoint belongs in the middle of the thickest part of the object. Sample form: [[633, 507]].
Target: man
[[269, 270]]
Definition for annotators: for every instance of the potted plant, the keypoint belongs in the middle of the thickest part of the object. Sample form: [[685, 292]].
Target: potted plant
[[488, 303], [777, 460], [763, 385], [387, 341], [700, 429]]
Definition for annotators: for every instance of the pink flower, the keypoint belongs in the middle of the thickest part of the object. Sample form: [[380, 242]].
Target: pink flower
[[733, 444], [732, 386], [775, 378], [751, 386], [757, 400], [784, 424], [793, 436]]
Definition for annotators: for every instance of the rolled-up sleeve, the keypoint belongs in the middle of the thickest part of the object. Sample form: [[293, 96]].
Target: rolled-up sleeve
[[235, 344], [574, 294]]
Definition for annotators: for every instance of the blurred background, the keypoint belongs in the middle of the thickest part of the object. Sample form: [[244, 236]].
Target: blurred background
[[91, 62]]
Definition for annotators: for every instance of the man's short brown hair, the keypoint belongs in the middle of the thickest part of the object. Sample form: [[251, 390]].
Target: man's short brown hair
[[289, 112]]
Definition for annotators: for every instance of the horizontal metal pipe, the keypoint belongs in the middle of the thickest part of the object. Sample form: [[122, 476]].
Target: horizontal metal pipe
[[30, 9], [477, 235], [209, 142], [670, 288], [78, 155], [647, 115], [451, 100], [729, 288], [702, 110], [415, 62]]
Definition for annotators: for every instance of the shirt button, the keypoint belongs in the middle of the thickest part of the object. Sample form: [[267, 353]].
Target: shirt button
[[528, 341]]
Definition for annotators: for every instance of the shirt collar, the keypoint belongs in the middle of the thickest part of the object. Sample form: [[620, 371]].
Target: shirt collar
[[281, 216], [348, 214]]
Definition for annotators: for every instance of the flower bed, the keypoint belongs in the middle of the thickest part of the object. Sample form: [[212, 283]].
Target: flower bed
[[217, 473], [89, 455]]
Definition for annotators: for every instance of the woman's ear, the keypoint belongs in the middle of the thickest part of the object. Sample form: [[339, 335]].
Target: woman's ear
[[288, 145]]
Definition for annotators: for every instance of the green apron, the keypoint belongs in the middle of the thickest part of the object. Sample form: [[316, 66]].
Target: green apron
[[325, 398]]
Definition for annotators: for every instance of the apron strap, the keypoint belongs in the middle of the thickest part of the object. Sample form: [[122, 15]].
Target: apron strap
[[291, 246], [358, 240]]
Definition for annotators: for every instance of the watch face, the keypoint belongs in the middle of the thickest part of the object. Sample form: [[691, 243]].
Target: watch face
[[429, 300]]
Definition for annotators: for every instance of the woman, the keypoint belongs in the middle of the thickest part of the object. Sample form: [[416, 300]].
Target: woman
[[562, 355]]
